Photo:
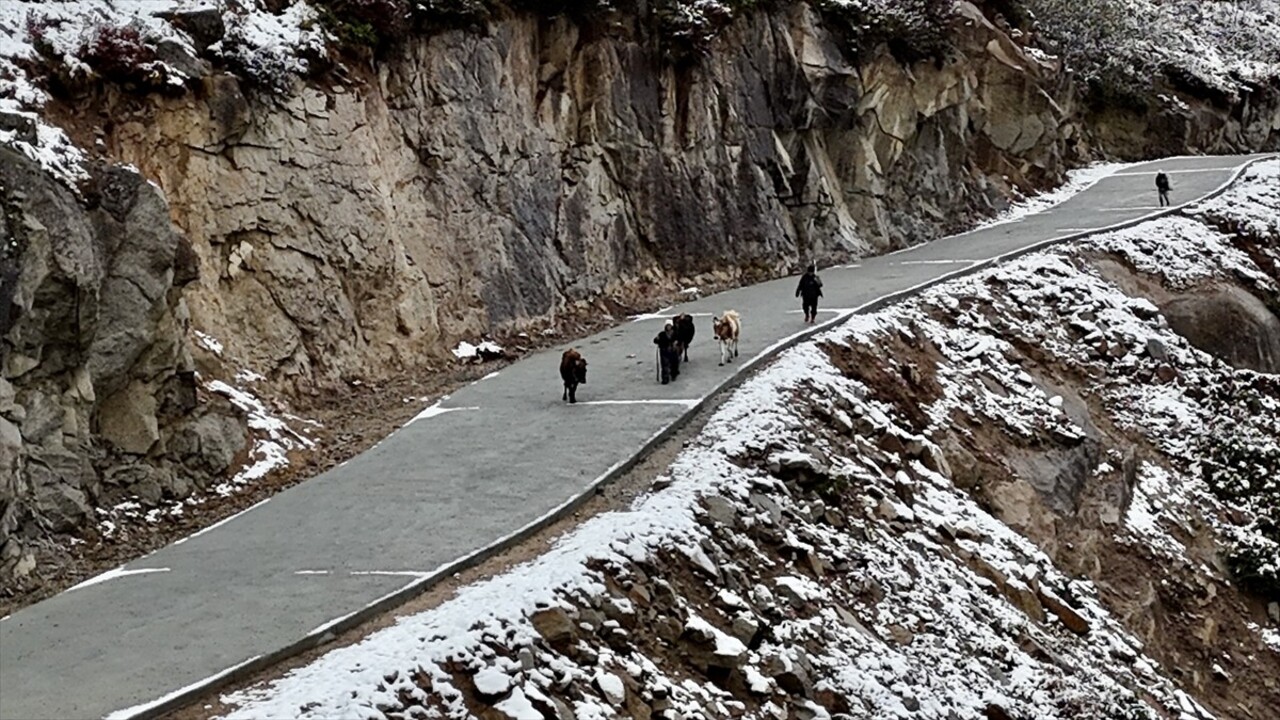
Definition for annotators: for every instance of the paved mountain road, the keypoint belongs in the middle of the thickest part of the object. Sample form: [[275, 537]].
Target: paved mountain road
[[497, 457]]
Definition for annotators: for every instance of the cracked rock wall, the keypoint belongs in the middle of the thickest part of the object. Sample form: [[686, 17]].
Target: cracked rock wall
[[478, 182], [98, 398]]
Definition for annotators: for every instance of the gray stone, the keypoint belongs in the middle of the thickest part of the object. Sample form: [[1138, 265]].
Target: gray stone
[[555, 626], [44, 417], [721, 510], [128, 420], [61, 504], [744, 627], [212, 442], [7, 397], [768, 506], [175, 55], [148, 482], [23, 126], [1157, 350], [1230, 324], [789, 674], [10, 450]]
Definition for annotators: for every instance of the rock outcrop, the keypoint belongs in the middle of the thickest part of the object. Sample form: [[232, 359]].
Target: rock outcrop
[[480, 181], [96, 381]]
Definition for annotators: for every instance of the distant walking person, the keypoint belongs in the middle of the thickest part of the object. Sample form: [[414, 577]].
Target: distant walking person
[[809, 290], [1162, 185]]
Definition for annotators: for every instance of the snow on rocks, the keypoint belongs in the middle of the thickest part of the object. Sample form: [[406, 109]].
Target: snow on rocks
[[274, 439], [483, 351], [742, 589], [267, 46]]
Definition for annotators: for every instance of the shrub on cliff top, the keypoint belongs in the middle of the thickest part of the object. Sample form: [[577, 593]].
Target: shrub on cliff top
[[117, 53], [366, 23], [913, 30]]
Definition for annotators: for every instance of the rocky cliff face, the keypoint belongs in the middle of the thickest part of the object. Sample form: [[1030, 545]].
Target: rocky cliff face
[[98, 398], [480, 182]]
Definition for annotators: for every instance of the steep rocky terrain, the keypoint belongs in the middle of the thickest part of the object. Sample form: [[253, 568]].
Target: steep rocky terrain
[[98, 400], [1023, 495], [344, 213]]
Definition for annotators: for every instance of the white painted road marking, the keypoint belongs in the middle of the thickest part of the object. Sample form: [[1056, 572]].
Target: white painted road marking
[[935, 262], [113, 574], [433, 411], [139, 709], [666, 315], [1169, 172], [222, 522], [686, 403]]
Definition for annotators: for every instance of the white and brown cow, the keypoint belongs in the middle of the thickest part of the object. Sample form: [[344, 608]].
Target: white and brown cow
[[573, 371], [727, 328]]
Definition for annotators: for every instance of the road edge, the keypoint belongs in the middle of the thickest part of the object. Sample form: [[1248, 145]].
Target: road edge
[[326, 633]]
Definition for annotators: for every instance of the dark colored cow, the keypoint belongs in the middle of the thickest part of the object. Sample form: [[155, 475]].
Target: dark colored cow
[[684, 332], [573, 370]]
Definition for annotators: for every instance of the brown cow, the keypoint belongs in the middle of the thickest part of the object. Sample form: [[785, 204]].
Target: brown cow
[[573, 370], [727, 329]]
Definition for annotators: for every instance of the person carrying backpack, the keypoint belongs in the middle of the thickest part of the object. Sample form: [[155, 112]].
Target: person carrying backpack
[[809, 290]]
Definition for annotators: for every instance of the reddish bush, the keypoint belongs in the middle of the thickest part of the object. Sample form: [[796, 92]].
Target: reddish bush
[[38, 27], [116, 52], [372, 23]]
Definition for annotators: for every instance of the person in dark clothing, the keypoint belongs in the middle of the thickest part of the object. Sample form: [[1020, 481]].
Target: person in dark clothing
[[809, 290], [1162, 185], [668, 353]]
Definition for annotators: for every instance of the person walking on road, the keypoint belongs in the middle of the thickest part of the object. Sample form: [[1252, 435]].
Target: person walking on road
[[1162, 186], [668, 354], [809, 290]]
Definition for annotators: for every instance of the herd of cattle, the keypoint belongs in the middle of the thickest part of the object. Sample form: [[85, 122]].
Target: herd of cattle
[[726, 328]]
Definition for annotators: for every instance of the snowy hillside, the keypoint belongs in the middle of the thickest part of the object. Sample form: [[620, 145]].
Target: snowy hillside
[[840, 539]]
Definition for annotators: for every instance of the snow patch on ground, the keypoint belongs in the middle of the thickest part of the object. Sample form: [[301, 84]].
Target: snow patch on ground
[[273, 438], [467, 351]]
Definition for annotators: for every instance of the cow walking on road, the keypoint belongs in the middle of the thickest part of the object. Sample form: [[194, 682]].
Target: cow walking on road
[[684, 332], [668, 353], [809, 290], [727, 328], [573, 371]]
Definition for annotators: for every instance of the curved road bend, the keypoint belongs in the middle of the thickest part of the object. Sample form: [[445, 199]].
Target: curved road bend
[[490, 460]]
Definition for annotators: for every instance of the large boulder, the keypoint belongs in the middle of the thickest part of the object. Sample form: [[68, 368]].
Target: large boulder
[[1230, 324]]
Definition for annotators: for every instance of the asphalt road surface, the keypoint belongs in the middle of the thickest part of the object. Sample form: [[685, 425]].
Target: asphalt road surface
[[499, 457]]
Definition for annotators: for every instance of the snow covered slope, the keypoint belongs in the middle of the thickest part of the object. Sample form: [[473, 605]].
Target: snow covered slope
[[999, 500]]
